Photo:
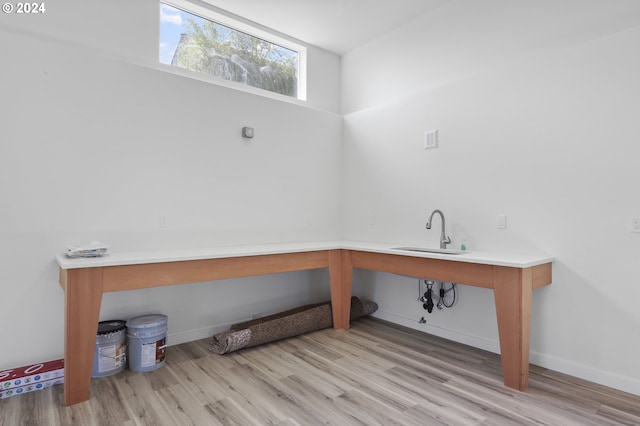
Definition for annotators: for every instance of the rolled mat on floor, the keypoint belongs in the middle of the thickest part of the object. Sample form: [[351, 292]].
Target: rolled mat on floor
[[293, 322]]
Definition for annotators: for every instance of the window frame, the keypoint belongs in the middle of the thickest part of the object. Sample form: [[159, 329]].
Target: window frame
[[226, 19]]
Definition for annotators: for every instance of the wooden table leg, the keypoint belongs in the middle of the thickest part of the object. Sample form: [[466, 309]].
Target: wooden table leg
[[83, 296], [340, 277], [513, 291]]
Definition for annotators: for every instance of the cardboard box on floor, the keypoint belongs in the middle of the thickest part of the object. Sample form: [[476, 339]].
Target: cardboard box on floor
[[31, 378]]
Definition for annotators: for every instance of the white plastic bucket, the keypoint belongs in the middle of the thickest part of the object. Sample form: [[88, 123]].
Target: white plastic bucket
[[110, 356], [147, 338]]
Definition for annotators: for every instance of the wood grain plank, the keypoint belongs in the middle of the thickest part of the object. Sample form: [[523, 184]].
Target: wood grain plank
[[200, 386], [340, 278], [542, 275], [227, 412], [184, 409], [315, 406], [109, 407], [513, 290], [140, 401], [376, 373], [82, 311], [127, 277], [443, 270], [360, 405], [281, 364]]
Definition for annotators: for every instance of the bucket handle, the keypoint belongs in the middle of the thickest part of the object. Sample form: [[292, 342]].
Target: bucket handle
[[122, 356], [148, 343]]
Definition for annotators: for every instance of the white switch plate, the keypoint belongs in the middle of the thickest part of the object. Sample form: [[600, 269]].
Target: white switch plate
[[164, 221], [634, 224], [501, 221], [431, 139]]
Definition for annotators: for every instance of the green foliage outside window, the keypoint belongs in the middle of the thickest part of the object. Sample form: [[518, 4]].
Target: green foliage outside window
[[215, 49]]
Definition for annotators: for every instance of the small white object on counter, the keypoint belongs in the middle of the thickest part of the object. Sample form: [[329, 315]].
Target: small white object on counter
[[93, 249]]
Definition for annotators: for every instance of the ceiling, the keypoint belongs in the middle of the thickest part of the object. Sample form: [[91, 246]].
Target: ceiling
[[334, 25]]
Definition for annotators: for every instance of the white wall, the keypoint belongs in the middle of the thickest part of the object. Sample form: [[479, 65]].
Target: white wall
[[537, 109], [97, 143]]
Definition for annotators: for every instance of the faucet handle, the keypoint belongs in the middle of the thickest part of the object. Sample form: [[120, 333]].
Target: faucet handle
[[446, 241]]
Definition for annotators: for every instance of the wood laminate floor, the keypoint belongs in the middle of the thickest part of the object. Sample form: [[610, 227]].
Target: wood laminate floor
[[374, 374]]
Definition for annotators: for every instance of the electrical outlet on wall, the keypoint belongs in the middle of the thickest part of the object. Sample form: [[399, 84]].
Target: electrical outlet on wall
[[431, 139], [501, 221], [634, 224], [371, 219]]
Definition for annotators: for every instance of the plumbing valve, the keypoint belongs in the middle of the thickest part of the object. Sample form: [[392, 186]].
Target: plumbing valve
[[428, 296]]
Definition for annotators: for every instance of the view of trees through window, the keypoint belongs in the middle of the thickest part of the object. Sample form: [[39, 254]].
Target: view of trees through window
[[191, 42]]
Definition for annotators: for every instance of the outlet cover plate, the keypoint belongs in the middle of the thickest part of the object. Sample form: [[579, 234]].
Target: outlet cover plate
[[431, 139], [501, 221]]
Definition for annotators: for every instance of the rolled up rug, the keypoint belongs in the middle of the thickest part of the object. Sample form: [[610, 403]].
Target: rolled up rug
[[282, 325]]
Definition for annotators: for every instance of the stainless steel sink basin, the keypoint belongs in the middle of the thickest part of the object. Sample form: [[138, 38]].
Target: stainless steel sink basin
[[429, 250]]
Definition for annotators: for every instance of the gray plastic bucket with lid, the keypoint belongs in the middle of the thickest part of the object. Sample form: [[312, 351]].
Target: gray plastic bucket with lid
[[147, 339], [110, 356]]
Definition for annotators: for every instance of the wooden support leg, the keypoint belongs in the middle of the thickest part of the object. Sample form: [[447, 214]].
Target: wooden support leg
[[512, 291], [340, 277], [83, 296]]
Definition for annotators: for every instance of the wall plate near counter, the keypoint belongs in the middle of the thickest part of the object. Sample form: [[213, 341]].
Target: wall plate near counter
[[431, 139], [501, 221]]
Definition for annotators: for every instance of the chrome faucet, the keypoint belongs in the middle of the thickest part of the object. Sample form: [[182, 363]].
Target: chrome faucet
[[444, 240]]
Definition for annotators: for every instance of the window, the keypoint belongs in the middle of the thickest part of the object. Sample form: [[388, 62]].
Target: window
[[203, 43]]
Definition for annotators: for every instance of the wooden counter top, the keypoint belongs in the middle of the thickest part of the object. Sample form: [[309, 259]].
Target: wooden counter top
[[511, 277]]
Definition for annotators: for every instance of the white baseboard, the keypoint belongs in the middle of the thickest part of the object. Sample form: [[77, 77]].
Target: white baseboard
[[605, 378], [200, 333], [455, 336]]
